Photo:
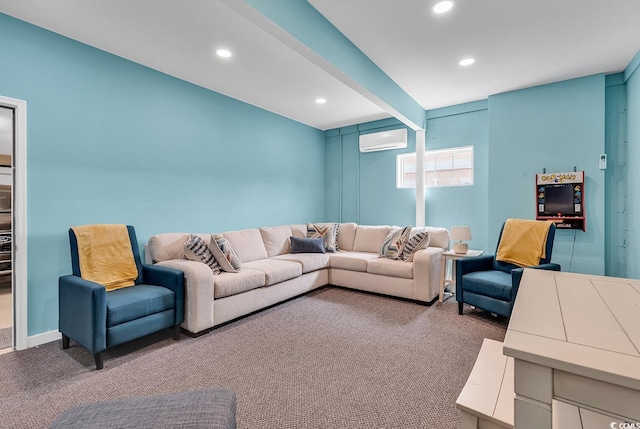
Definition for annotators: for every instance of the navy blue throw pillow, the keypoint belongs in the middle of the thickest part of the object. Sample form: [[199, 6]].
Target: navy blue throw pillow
[[307, 245]]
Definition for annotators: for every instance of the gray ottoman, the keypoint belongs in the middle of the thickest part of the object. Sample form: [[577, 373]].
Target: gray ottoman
[[213, 408]]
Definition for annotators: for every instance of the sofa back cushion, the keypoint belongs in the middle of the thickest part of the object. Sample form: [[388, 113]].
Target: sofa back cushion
[[346, 235], [170, 245], [299, 230], [438, 237], [370, 238], [276, 239], [248, 244]]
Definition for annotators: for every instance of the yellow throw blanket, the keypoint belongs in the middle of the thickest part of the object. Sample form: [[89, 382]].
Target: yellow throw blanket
[[105, 255], [523, 242]]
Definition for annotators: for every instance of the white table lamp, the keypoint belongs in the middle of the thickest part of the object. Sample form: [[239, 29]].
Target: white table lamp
[[459, 234]]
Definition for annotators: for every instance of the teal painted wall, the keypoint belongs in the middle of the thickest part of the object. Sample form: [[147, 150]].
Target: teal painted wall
[[333, 177], [633, 168], [616, 149], [361, 187], [464, 125], [556, 126], [110, 141], [515, 135], [369, 196], [381, 203]]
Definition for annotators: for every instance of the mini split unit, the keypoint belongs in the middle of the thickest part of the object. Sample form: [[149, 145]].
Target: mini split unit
[[385, 140]]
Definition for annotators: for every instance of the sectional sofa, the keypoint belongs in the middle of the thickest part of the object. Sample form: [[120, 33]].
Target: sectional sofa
[[270, 274]]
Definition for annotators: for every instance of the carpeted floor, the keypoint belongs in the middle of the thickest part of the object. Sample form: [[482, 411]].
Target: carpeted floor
[[5, 338], [333, 358]]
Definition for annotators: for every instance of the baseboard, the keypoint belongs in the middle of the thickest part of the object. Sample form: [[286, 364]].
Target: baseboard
[[46, 337]]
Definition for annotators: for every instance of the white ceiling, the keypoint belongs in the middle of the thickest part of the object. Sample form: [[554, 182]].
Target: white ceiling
[[517, 44]]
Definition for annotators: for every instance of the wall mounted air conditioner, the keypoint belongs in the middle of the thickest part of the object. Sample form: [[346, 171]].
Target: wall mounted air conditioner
[[385, 140]]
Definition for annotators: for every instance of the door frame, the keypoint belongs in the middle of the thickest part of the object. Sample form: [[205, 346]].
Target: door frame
[[19, 263]]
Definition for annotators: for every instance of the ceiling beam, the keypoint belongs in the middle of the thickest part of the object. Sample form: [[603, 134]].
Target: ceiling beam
[[300, 26]]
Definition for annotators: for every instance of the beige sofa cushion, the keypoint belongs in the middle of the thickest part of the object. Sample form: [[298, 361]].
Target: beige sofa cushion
[[438, 237], [248, 243], [309, 261], [353, 261], [299, 230], [346, 235], [370, 238], [391, 267], [276, 239], [275, 271], [170, 245], [227, 284]]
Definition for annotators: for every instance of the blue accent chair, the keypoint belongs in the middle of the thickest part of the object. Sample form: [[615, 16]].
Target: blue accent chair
[[492, 285], [97, 319]]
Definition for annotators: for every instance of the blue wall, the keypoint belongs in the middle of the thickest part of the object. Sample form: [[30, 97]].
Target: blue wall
[[361, 187], [558, 127], [633, 168], [110, 141], [616, 176], [515, 135], [462, 125]]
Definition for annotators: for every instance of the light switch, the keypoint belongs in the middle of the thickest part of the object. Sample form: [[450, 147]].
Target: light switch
[[602, 164]]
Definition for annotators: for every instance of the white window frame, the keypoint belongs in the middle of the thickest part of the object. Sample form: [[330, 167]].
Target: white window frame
[[400, 159]]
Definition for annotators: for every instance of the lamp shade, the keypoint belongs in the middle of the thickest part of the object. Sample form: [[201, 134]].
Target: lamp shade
[[460, 233]]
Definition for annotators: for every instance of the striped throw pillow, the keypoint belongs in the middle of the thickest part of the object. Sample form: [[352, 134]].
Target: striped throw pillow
[[419, 240], [196, 249], [327, 231], [395, 242], [225, 253]]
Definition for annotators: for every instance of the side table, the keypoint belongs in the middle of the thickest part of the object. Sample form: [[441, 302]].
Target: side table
[[452, 256]]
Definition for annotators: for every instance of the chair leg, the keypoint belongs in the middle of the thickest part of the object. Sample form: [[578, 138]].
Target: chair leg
[[460, 308], [65, 342], [176, 332], [99, 360]]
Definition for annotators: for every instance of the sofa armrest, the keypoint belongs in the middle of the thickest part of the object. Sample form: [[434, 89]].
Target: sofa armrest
[[82, 312], [516, 276], [171, 279], [198, 293], [426, 273]]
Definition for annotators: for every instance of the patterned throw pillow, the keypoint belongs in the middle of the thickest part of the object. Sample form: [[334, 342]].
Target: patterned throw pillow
[[327, 231], [225, 253], [419, 240], [196, 249], [395, 243]]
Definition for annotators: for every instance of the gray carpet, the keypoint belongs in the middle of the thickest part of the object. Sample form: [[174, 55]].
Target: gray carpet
[[5, 338], [333, 358]]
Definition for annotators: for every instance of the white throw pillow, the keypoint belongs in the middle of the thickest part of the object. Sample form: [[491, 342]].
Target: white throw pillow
[[225, 254], [327, 231], [395, 243]]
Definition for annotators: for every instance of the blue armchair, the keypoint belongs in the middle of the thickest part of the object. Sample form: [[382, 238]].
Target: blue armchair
[[97, 319], [492, 285]]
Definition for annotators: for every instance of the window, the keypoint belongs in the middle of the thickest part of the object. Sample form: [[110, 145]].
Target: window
[[445, 167]]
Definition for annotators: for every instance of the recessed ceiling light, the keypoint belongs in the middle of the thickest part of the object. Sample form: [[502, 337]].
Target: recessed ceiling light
[[321, 100], [467, 61], [443, 6], [224, 53]]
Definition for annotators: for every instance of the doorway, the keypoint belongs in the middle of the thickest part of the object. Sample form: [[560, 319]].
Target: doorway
[[13, 232], [6, 227]]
